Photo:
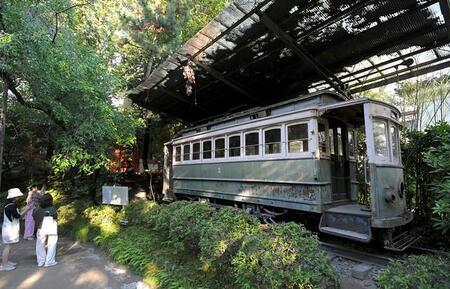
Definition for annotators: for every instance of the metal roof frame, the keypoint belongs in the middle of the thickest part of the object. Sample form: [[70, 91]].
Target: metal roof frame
[[255, 35]]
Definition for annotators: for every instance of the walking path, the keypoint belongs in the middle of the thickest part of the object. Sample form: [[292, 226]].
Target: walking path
[[80, 266]]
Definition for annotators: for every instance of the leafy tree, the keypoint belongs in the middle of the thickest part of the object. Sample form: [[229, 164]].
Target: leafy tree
[[422, 97], [49, 68], [136, 35]]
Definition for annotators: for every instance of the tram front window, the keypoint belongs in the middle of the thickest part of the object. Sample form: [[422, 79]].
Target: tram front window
[[380, 138], [394, 142]]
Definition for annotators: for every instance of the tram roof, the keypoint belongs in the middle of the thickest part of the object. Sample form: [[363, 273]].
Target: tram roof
[[261, 52]]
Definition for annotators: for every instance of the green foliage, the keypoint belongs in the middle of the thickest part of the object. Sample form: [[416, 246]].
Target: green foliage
[[56, 73], [438, 157], [135, 35], [417, 272], [221, 236], [233, 245], [425, 157], [284, 256], [193, 245], [106, 218]]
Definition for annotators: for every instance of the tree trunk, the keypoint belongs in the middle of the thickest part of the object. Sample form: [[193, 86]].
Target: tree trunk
[[145, 144], [3, 125], [93, 189]]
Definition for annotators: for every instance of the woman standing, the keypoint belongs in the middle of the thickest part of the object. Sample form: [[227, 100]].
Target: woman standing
[[10, 227], [32, 203], [41, 215]]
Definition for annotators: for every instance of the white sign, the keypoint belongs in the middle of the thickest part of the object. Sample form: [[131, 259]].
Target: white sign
[[113, 195]]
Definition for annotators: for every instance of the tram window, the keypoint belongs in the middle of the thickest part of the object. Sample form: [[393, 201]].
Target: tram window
[[322, 138], [234, 146], [339, 141], [186, 152], [394, 141], [272, 141], [298, 138], [380, 138], [178, 154], [196, 151], [252, 144], [351, 143], [330, 133], [219, 151], [207, 149]]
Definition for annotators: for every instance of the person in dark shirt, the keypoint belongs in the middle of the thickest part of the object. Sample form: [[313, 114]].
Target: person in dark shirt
[[45, 209], [10, 227]]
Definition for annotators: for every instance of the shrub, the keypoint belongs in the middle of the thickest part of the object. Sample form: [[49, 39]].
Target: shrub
[[142, 213], [438, 157], [284, 256], [220, 237], [417, 272], [105, 218], [184, 221], [194, 245]]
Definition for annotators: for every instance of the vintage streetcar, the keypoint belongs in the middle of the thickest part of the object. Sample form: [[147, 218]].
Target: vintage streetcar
[[300, 156]]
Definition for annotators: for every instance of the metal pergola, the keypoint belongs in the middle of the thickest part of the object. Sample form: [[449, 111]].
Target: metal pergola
[[260, 52]]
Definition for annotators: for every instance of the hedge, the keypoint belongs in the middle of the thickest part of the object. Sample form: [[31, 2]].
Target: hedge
[[193, 245], [417, 272]]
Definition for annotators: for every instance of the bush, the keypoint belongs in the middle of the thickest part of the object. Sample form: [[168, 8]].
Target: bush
[[417, 272], [284, 256], [193, 245], [142, 213], [105, 218], [438, 157], [221, 236]]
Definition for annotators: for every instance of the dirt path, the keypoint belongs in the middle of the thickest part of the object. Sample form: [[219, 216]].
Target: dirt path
[[80, 266]]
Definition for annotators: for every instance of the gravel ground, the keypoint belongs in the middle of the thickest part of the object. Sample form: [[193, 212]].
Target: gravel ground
[[344, 268]]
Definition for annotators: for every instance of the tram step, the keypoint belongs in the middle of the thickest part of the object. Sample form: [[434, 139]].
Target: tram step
[[347, 221], [346, 234], [402, 242]]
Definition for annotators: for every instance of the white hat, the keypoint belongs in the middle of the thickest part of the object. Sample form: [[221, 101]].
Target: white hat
[[15, 192]]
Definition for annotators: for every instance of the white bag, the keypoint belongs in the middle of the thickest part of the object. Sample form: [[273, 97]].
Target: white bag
[[49, 226]]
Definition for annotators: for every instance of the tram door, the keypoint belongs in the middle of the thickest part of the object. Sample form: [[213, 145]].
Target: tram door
[[339, 161]]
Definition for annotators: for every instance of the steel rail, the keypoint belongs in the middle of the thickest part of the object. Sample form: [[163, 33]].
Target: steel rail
[[355, 255]]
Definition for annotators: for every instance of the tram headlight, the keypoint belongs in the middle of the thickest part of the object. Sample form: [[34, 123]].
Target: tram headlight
[[389, 195]]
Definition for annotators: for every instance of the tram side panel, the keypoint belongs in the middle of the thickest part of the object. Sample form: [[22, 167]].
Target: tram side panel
[[297, 184]]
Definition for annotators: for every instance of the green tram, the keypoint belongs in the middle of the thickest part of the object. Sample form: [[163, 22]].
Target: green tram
[[299, 155]]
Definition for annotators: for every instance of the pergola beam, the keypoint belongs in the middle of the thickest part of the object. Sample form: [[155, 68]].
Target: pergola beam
[[217, 38], [230, 82], [339, 16], [329, 77], [181, 98], [445, 10], [426, 63], [404, 76]]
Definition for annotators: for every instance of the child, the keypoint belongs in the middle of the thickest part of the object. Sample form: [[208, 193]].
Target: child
[[32, 203], [10, 227], [45, 209]]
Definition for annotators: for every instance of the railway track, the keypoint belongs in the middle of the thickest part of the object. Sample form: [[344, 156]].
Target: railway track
[[380, 259], [356, 255]]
